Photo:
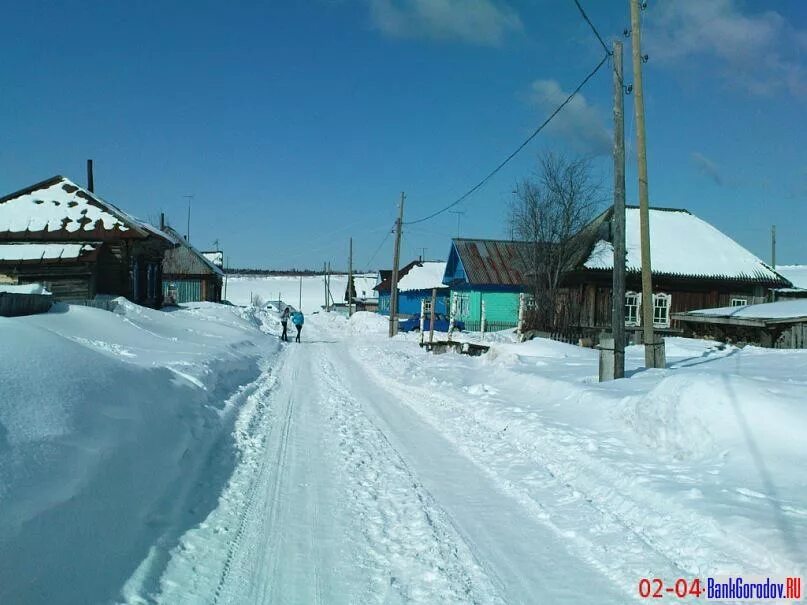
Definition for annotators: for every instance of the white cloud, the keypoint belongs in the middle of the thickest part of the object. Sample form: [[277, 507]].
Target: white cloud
[[758, 52], [579, 124], [707, 167], [475, 21]]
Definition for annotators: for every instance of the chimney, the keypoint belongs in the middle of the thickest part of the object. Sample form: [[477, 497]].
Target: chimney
[[162, 221], [90, 183]]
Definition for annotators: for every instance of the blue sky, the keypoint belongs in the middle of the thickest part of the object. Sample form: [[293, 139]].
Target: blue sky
[[297, 124]]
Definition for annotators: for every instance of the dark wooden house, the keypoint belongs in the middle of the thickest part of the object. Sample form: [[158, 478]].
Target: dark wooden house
[[78, 245], [188, 275], [694, 266]]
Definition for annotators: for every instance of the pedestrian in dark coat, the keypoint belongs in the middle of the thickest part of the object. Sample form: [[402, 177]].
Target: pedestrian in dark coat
[[284, 321]]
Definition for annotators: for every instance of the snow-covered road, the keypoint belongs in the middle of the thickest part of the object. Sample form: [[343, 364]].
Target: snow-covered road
[[357, 484], [344, 494]]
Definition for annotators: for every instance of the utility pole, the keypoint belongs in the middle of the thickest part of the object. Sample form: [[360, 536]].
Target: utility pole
[[350, 290], [300, 300], [773, 247], [189, 197], [325, 283], [653, 352], [328, 291], [393, 303], [618, 220]]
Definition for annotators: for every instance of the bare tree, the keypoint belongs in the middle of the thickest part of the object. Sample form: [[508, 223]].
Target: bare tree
[[549, 209]]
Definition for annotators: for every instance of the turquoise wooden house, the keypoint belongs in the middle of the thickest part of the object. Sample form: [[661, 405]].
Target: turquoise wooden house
[[486, 270]]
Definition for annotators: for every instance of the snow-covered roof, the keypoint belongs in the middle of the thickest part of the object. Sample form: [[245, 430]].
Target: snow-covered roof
[[59, 206], [785, 309], [424, 276], [24, 289], [172, 262], [797, 274], [216, 257], [682, 244], [36, 251], [363, 286]]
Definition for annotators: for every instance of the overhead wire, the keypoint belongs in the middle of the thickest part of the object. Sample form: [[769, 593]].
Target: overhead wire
[[593, 29], [518, 149]]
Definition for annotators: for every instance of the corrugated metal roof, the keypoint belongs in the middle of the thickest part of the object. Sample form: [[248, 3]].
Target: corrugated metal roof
[[493, 262]]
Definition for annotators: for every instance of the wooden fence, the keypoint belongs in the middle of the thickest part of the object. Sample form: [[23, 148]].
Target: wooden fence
[[13, 304]]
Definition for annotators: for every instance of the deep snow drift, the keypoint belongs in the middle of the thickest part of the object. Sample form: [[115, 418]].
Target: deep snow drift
[[109, 425]]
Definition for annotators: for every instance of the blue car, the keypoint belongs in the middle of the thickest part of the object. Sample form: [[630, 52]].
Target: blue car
[[441, 324]]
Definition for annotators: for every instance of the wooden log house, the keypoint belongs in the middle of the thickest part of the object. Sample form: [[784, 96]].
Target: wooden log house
[[78, 245]]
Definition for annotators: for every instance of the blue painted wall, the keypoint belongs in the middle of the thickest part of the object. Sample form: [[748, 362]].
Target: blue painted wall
[[409, 302]]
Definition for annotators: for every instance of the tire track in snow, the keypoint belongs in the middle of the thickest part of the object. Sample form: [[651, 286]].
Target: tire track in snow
[[415, 549]]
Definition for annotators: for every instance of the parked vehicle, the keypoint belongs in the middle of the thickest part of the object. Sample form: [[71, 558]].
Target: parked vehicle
[[441, 323]]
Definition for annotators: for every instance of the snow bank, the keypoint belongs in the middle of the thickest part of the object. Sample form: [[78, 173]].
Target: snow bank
[[105, 420], [697, 415], [365, 322], [24, 289]]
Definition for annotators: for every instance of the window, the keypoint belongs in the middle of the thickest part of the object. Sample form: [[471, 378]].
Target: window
[[739, 302], [427, 305], [461, 306], [661, 310], [632, 304]]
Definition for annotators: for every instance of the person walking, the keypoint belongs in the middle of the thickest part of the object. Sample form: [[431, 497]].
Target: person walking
[[284, 321], [298, 320]]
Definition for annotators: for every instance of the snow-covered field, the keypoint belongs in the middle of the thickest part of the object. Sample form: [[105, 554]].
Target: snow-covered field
[[185, 457], [241, 287]]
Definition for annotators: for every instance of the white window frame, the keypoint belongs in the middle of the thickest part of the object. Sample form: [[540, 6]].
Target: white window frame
[[665, 323], [637, 297], [739, 302], [462, 305], [427, 305]]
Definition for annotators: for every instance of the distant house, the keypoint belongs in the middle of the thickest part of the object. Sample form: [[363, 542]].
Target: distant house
[[694, 266], [216, 257], [493, 271], [364, 295], [797, 275], [415, 283], [78, 245], [188, 275], [417, 286]]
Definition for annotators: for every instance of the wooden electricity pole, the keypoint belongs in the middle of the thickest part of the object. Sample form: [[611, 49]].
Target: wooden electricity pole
[[325, 283], [652, 355], [396, 257], [350, 291], [618, 220], [773, 247]]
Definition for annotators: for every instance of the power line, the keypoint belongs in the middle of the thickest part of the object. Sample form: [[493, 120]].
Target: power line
[[484, 181], [593, 29], [377, 250]]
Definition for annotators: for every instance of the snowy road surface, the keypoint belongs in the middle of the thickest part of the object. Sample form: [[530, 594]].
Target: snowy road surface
[[356, 485], [344, 494]]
